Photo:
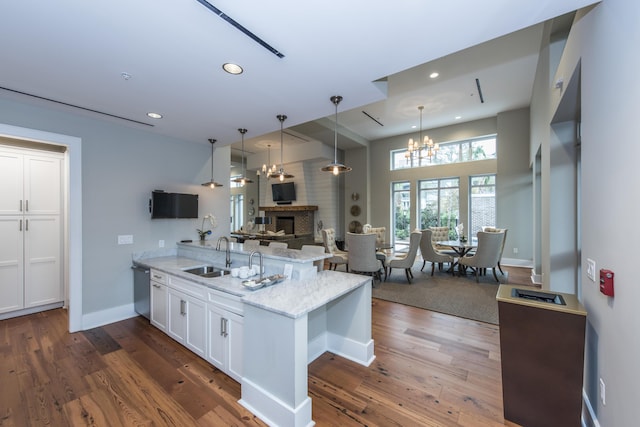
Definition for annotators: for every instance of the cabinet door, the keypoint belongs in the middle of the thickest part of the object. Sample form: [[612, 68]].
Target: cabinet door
[[234, 345], [42, 250], [196, 336], [216, 349], [177, 319], [11, 176], [159, 305], [42, 185], [11, 263]]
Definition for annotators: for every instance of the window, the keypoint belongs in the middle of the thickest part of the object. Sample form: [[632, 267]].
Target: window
[[439, 201], [469, 150], [482, 202], [401, 198], [237, 211]]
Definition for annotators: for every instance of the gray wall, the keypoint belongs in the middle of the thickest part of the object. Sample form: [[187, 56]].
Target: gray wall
[[121, 165], [514, 191], [600, 46]]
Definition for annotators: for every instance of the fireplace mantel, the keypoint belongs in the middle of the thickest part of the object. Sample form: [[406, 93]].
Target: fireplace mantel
[[283, 208]]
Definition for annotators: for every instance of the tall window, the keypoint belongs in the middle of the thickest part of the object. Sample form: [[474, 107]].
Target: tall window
[[482, 203], [401, 197], [468, 150], [439, 201], [237, 212]]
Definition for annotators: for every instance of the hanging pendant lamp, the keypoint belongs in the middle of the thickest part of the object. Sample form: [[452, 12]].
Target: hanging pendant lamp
[[281, 174], [242, 179], [212, 183], [335, 167]]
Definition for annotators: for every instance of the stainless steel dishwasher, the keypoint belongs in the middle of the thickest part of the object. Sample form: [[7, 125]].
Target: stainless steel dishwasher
[[141, 299]]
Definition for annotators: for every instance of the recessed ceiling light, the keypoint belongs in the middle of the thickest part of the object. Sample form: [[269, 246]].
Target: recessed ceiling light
[[154, 115], [414, 126], [458, 117], [125, 75], [434, 75], [232, 68]]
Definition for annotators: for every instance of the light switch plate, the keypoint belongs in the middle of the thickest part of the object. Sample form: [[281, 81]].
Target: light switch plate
[[126, 239], [591, 269]]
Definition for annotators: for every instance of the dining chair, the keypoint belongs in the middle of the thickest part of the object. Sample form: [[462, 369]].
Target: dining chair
[[278, 245], [498, 230], [439, 234], [382, 254], [362, 254], [430, 254], [315, 250], [409, 258], [337, 256], [487, 254]]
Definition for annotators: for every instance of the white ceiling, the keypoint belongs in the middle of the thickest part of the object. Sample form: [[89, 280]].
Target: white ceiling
[[74, 52]]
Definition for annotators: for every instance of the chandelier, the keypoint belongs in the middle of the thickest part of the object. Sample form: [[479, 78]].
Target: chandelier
[[422, 148], [281, 174], [268, 171]]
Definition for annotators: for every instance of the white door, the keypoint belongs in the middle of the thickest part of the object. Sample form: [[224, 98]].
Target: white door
[[177, 315], [235, 326], [196, 337], [42, 250], [42, 184], [11, 263], [216, 349], [11, 177]]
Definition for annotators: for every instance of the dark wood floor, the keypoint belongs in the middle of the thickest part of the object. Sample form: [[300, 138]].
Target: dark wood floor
[[431, 369]]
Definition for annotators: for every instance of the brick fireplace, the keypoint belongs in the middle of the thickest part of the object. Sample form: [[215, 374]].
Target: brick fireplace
[[298, 220]]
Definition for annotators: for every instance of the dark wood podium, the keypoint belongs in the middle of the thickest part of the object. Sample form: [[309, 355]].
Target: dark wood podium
[[542, 352]]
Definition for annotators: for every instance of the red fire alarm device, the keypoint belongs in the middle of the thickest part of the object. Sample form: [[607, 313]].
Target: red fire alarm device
[[606, 282]]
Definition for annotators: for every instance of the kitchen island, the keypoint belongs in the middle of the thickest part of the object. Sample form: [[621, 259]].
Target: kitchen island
[[283, 327]]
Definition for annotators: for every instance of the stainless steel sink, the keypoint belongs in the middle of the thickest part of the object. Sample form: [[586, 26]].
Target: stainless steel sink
[[206, 271]]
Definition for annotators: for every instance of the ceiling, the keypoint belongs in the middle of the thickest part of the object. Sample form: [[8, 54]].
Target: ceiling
[[71, 55]]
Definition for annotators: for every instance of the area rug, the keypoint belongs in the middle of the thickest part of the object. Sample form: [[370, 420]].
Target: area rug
[[444, 293]]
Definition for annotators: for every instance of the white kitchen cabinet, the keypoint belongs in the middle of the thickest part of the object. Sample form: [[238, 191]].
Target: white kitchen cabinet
[[187, 316], [31, 244], [158, 303], [224, 349]]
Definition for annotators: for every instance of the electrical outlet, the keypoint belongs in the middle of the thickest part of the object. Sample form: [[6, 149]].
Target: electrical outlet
[[161, 243], [602, 392], [515, 250], [126, 239], [591, 269]]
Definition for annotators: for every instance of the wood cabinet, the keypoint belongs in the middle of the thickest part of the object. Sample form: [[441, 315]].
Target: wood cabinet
[[225, 324], [186, 317], [30, 225], [158, 296]]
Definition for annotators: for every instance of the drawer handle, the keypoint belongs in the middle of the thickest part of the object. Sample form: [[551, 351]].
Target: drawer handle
[[183, 310], [155, 276], [156, 286]]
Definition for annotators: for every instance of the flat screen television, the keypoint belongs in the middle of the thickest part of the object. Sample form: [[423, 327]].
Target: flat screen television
[[173, 205], [283, 193]]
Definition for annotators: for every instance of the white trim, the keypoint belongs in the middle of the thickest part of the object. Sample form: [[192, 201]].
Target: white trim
[[515, 262], [590, 411], [73, 211], [110, 315], [30, 310]]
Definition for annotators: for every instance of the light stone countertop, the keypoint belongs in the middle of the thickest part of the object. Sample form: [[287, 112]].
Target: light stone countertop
[[288, 255], [291, 298]]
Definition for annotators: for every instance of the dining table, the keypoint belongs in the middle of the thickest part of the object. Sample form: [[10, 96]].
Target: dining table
[[461, 248]]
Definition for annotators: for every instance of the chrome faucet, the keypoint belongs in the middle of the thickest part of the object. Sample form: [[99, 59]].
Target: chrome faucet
[[251, 261], [227, 262]]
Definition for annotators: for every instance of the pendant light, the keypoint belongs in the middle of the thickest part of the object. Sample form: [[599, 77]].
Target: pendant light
[[242, 180], [335, 167], [212, 183], [268, 171], [281, 174]]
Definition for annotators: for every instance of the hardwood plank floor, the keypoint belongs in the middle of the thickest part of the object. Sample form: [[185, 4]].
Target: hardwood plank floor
[[431, 369]]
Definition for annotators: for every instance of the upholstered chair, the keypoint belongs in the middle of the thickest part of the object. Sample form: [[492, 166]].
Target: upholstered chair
[[383, 255], [278, 245], [430, 254], [498, 230], [409, 258], [362, 254], [338, 256], [487, 255], [251, 244]]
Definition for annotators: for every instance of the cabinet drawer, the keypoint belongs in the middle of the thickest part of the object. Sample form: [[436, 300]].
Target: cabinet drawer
[[188, 288], [159, 276], [226, 301]]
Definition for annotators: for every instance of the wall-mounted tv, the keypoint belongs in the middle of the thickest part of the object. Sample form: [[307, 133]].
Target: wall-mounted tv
[[173, 205], [283, 193]]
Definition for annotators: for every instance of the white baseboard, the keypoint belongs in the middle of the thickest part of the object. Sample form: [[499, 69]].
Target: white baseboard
[[515, 262], [110, 315]]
